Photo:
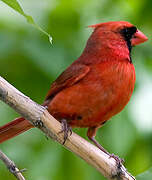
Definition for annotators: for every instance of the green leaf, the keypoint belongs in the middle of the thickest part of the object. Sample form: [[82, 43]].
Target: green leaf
[[147, 175], [16, 6]]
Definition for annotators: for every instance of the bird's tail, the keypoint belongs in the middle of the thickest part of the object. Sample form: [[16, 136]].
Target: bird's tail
[[14, 128]]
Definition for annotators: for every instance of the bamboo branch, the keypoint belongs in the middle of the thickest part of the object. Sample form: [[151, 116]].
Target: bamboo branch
[[11, 166], [51, 127]]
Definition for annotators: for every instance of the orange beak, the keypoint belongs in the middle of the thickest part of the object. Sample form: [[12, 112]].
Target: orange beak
[[138, 38]]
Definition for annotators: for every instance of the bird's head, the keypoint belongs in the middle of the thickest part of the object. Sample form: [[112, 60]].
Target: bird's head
[[112, 41], [122, 29]]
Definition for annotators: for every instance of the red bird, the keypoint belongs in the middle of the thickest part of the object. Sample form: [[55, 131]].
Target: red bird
[[93, 88]]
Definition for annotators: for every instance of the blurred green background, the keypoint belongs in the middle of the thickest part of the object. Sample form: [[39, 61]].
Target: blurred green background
[[31, 63]]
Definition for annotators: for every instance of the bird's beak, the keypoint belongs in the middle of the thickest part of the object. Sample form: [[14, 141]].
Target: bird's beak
[[138, 38]]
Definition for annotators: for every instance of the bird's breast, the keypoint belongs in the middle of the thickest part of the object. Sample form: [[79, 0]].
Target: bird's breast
[[101, 94]]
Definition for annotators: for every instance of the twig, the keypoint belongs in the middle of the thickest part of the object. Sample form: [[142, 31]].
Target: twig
[[51, 127], [11, 166]]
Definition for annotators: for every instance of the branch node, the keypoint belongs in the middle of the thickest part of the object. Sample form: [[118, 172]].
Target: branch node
[[12, 168], [38, 124], [22, 170], [3, 94]]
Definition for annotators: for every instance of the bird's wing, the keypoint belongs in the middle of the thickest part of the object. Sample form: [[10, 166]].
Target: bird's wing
[[69, 77]]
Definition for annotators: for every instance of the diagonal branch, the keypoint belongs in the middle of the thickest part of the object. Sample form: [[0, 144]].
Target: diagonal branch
[[11, 166], [51, 127]]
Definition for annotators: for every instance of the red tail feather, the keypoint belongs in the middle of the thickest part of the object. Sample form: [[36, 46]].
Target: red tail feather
[[14, 128]]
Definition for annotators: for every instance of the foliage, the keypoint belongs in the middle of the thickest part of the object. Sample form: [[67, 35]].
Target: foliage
[[29, 62], [146, 175], [16, 6]]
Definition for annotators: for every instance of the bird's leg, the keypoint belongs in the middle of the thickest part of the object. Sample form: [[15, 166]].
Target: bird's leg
[[91, 135], [65, 129]]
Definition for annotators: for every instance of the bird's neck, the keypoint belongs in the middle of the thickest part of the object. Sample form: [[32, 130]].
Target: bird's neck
[[105, 49]]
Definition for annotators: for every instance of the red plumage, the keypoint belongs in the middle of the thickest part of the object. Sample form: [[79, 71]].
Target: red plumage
[[96, 86]]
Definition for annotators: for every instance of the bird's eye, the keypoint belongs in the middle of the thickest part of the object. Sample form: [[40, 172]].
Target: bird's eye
[[133, 29], [128, 32]]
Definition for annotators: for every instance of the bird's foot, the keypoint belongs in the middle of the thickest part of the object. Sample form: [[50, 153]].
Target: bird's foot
[[119, 161], [46, 107], [65, 129]]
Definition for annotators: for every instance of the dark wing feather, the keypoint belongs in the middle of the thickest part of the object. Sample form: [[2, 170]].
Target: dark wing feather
[[69, 77]]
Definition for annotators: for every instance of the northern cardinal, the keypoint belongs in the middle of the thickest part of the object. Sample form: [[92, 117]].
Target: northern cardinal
[[93, 88]]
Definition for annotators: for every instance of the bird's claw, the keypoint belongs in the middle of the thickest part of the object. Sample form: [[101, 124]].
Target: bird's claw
[[65, 129], [46, 107], [119, 161]]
